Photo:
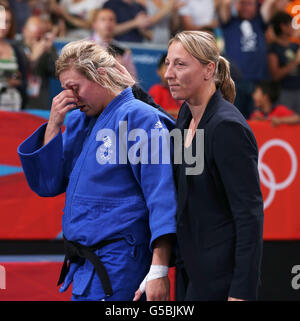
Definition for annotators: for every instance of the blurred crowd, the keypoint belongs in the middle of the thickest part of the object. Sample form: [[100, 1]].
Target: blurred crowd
[[260, 38]]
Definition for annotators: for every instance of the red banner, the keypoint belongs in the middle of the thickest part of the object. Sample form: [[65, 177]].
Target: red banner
[[32, 281], [279, 155], [24, 215]]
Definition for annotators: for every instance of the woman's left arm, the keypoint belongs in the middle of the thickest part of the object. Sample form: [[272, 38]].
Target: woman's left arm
[[154, 174], [236, 158], [158, 289]]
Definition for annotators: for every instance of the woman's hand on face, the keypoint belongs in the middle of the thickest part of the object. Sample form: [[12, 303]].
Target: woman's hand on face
[[61, 104]]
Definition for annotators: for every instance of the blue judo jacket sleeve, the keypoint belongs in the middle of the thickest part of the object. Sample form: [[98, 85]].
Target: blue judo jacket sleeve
[[156, 182], [43, 165]]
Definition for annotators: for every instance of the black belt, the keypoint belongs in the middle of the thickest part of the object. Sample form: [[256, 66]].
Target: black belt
[[74, 251]]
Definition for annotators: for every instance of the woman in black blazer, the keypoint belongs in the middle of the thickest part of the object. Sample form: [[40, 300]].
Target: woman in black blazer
[[220, 207]]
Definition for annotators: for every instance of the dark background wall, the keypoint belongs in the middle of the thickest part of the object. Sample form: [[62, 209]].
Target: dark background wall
[[279, 258]]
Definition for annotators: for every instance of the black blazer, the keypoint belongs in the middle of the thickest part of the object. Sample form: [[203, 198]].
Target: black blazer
[[220, 211]]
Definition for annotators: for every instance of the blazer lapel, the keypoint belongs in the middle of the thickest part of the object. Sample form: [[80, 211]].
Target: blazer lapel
[[211, 108], [182, 123]]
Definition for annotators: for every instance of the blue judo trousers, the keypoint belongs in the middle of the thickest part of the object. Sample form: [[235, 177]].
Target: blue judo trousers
[[108, 196]]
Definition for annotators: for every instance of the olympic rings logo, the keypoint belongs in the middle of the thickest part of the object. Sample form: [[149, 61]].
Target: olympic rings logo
[[269, 180]]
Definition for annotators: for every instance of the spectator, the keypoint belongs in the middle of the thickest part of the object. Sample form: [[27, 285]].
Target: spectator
[[265, 99], [21, 10], [161, 93], [77, 15], [40, 8], [245, 45], [277, 5], [198, 14], [4, 3], [37, 45], [164, 19], [12, 68], [287, 120], [104, 25], [43, 9], [131, 18], [284, 61]]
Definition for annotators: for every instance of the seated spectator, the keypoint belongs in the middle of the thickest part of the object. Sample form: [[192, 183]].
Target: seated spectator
[[197, 15], [163, 19], [37, 45], [161, 93], [265, 97], [104, 25], [132, 20], [245, 45], [12, 68], [77, 15], [284, 61], [287, 120]]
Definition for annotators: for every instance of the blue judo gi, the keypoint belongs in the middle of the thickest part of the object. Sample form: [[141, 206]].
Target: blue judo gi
[[107, 196]]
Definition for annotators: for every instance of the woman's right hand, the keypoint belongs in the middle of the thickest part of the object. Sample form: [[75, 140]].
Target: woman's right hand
[[61, 104], [122, 69]]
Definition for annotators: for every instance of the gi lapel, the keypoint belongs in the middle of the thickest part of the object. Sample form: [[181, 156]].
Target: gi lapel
[[97, 123]]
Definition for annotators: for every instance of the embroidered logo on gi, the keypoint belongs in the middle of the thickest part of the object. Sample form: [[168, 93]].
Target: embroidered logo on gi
[[105, 149], [158, 125]]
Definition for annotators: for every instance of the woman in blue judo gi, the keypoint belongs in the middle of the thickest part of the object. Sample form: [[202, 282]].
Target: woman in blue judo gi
[[119, 215]]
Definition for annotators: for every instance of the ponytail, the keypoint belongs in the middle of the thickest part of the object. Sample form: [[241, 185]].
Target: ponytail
[[224, 80]]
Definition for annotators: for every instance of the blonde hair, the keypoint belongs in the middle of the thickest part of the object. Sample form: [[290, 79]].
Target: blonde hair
[[203, 46], [86, 57]]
